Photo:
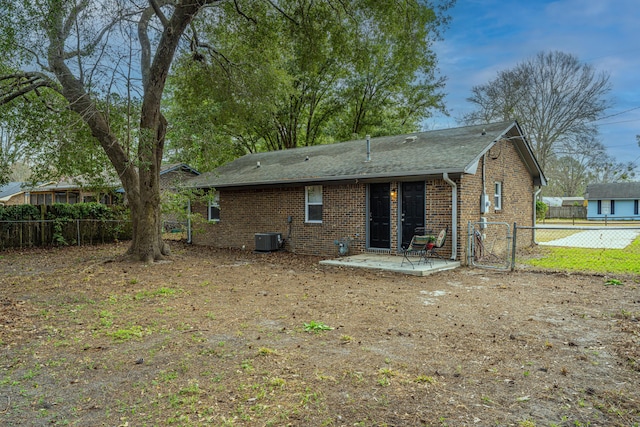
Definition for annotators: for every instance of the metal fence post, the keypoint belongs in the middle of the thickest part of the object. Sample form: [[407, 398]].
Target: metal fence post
[[513, 249], [78, 230]]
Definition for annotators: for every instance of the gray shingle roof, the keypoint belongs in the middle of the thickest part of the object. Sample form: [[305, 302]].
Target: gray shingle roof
[[618, 190], [10, 189], [455, 150]]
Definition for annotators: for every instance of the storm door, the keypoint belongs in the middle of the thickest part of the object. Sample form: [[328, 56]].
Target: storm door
[[379, 216], [413, 209]]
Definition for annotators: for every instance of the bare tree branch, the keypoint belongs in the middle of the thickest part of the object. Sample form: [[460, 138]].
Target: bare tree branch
[[282, 12], [241, 13], [158, 11], [21, 84]]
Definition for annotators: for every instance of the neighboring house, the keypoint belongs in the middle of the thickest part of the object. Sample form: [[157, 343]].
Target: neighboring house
[[69, 192], [172, 178], [16, 193], [13, 194], [174, 175], [613, 201], [374, 192]]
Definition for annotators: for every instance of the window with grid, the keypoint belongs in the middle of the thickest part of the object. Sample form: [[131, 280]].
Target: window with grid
[[313, 203], [497, 197], [214, 208]]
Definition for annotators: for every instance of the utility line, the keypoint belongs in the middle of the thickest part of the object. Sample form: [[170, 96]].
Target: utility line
[[616, 114]]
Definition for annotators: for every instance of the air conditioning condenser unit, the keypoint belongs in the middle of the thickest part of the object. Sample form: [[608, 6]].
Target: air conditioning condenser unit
[[267, 242]]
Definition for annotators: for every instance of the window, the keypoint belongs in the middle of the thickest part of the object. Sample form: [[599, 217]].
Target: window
[[635, 207], [61, 197], [73, 198], [599, 207], [613, 207], [313, 203], [214, 208], [497, 197]]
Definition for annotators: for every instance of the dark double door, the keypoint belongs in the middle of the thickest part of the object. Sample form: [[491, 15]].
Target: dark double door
[[412, 213]]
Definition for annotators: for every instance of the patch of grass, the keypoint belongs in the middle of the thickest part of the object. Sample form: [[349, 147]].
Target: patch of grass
[[613, 282], [424, 379], [317, 327], [613, 261], [162, 292], [264, 351], [122, 335], [106, 319]]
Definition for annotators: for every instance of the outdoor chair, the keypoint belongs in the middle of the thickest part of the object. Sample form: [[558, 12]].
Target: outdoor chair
[[442, 237], [417, 247]]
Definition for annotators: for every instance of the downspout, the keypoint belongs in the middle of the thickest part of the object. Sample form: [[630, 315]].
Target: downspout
[[188, 220], [454, 215], [535, 217]]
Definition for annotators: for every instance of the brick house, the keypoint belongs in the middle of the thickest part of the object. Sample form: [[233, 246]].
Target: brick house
[[373, 193]]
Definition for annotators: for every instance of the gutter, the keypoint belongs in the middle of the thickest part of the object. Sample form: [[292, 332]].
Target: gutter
[[189, 221], [536, 193], [454, 215]]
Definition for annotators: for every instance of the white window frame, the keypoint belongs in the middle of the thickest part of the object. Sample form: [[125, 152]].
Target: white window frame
[[497, 196], [308, 203], [214, 203]]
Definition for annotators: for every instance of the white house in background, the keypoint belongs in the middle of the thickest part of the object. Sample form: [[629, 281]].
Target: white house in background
[[613, 201]]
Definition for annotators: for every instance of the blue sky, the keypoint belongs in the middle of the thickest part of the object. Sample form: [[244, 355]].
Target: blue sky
[[487, 36]]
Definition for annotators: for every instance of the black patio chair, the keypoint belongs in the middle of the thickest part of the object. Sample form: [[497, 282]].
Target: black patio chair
[[417, 247]]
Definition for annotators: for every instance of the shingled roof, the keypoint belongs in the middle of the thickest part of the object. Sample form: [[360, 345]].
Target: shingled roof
[[454, 151], [618, 190]]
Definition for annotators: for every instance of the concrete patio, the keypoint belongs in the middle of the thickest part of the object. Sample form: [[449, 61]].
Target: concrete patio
[[393, 263]]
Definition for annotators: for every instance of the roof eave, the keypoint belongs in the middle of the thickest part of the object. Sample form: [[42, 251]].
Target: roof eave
[[336, 179]]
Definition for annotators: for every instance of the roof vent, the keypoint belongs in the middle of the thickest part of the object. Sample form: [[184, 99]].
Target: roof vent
[[306, 159], [258, 164], [368, 148], [410, 138], [484, 132]]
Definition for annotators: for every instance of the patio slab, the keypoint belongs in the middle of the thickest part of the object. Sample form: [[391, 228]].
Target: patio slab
[[392, 263]]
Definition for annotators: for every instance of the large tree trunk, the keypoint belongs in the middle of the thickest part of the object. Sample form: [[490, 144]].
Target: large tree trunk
[[140, 177], [147, 244]]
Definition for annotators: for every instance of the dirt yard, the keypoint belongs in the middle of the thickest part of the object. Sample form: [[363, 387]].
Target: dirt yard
[[218, 338]]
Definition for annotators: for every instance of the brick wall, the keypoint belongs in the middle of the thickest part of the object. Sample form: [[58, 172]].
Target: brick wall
[[503, 164], [243, 213]]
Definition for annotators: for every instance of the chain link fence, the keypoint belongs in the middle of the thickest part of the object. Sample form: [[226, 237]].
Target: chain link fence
[[598, 247], [493, 245]]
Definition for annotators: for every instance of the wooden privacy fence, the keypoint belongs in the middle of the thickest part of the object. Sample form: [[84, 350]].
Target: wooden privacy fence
[[567, 212], [61, 232]]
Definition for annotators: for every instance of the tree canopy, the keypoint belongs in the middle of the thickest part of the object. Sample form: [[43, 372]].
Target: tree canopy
[[102, 67], [309, 73]]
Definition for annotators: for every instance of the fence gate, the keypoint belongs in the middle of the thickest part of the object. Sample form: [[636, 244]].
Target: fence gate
[[490, 245]]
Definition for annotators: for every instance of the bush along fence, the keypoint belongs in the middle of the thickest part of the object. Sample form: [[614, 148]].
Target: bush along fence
[[62, 224]]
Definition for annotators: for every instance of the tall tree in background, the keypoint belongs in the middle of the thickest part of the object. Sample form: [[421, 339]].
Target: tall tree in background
[[73, 48], [316, 72], [579, 163], [552, 95]]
